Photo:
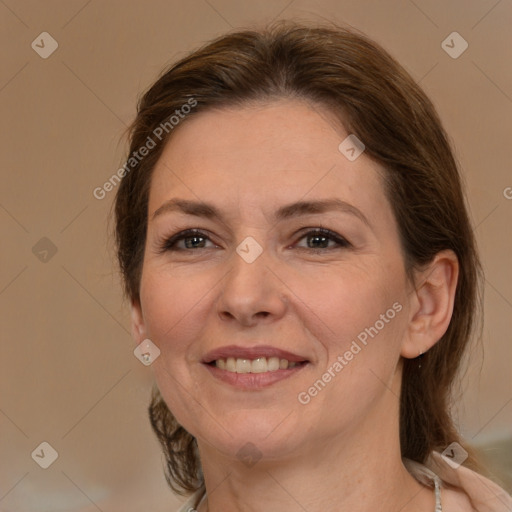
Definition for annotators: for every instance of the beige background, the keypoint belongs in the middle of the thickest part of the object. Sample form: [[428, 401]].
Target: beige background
[[67, 372]]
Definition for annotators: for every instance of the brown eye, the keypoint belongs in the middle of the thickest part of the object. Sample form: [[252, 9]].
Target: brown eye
[[193, 242], [320, 239], [192, 238]]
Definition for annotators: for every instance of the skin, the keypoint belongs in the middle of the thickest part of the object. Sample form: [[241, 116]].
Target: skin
[[343, 446]]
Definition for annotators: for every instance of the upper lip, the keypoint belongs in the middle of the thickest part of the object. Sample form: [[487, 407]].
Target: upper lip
[[251, 353]]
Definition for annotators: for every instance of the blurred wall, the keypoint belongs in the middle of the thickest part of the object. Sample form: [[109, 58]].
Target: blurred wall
[[68, 375]]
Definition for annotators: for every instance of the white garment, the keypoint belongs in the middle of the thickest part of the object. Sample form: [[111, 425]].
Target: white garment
[[188, 506], [484, 495]]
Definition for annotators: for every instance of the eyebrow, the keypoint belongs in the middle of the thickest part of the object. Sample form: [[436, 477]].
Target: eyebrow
[[208, 210]]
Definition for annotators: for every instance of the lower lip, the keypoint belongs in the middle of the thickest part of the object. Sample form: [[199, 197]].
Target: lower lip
[[253, 381]]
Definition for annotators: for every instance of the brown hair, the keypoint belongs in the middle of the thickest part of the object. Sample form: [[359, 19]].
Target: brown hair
[[375, 99]]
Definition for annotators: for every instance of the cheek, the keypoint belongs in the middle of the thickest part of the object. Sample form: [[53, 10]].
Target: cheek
[[172, 307], [168, 304], [349, 302], [359, 320]]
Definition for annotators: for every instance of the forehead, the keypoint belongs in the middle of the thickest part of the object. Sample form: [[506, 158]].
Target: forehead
[[273, 152]]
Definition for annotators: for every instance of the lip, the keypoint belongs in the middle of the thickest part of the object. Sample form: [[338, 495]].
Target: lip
[[252, 381], [252, 353]]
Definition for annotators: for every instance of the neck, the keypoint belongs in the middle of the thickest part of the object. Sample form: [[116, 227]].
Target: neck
[[359, 471], [386, 487]]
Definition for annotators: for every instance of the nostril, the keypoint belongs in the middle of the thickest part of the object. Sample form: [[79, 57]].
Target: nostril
[[245, 319]]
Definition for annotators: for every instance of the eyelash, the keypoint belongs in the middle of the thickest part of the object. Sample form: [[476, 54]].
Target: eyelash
[[169, 244]]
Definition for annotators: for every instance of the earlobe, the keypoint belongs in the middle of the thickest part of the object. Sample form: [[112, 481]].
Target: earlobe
[[433, 302], [137, 321]]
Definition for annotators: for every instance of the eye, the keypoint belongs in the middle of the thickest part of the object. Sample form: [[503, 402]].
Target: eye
[[321, 237], [192, 238]]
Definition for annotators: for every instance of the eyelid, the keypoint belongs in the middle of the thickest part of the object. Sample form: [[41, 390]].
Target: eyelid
[[339, 239], [168, 243]]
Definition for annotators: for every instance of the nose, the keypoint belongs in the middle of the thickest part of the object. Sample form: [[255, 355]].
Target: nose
[[251, 293]]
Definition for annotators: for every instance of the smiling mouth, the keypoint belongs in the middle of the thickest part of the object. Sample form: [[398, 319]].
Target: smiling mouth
[[257, 365]]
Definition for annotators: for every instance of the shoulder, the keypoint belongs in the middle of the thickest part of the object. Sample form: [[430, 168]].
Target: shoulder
[[455, 500]]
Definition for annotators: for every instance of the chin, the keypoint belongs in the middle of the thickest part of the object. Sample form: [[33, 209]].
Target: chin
[[250, 434]]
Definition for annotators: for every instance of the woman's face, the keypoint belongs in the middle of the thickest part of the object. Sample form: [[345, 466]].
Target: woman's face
[[259, 284]]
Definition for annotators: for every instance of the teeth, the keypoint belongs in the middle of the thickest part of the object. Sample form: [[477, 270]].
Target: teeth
[[230, 364], [272, 364], [243, 365], [258, 365]]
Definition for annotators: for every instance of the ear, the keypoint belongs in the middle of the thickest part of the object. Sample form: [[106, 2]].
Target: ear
[[431, 304], [137, 321]]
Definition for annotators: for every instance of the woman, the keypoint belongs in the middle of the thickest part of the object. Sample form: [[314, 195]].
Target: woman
[[294, 242]]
